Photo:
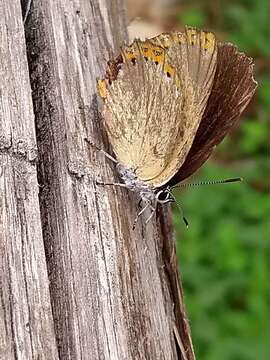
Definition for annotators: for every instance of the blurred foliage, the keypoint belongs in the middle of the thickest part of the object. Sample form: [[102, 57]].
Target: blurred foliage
[[225, 253], [224, 257]]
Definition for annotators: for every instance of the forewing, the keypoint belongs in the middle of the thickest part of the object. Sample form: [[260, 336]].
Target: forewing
[[233, 89]]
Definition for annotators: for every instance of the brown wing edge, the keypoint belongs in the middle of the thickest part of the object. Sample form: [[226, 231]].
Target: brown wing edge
[[233, 88]]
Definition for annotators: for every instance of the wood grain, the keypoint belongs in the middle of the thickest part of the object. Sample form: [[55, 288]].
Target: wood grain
[[26, 324], [114, 291]]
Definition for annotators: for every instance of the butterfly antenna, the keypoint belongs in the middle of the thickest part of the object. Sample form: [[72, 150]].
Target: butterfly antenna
[[211, 182], [180, 209]]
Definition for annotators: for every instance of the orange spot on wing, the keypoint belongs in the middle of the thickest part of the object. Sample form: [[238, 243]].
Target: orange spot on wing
[[102, 88], [208, 40]]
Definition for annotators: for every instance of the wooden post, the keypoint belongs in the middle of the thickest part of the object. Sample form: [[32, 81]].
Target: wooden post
[[114, 292], [26, 324]]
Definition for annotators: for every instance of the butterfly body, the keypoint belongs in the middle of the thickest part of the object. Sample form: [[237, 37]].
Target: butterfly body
[[146, 192]]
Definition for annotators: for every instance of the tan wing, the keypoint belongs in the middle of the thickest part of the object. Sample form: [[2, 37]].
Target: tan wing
[[141, 109], [155, 103], [194, 55]]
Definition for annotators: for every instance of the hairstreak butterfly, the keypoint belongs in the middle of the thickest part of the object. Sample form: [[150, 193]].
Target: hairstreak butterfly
[[167, 102]]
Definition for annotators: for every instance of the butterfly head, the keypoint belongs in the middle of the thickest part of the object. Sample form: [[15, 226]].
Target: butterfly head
[[164, 195]]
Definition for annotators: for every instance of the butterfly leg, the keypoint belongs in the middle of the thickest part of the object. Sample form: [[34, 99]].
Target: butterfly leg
[[115, 184], [139, 214], [27, 9], [153, 210], [107, 155]]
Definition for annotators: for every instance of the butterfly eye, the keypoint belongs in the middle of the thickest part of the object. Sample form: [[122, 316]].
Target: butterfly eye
[[164, 196]]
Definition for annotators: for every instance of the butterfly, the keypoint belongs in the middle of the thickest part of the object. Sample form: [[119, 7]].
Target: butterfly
[[167, 102]]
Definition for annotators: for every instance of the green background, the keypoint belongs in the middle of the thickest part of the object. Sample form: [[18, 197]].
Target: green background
[[225, 252]]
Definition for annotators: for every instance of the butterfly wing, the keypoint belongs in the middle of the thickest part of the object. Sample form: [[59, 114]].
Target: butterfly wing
[[233, 89], [193, 55], [136, 110], [153, 107]]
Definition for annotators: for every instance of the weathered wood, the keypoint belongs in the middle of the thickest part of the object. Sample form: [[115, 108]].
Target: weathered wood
[[26, 324], [111, 294]]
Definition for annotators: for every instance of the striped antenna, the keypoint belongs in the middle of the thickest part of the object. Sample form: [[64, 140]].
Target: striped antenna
[[211, 182]]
